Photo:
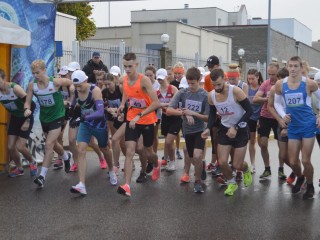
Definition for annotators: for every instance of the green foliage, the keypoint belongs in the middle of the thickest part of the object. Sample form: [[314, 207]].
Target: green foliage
[[86, 27]]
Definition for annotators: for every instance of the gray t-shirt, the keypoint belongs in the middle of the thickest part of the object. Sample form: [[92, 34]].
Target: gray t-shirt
[[195, 101]]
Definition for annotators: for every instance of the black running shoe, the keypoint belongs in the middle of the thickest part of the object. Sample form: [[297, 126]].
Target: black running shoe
[[142, 178], [39, 181], [149, 168], [309, 193], [67, 163], [296, 188]]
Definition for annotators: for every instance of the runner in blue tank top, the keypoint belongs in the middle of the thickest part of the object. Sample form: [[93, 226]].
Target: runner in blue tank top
[[296, 91]]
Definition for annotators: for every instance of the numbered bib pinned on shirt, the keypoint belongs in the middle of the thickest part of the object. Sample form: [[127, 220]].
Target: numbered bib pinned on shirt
[[294, 99], [137, 103], [195, 106], [46, 100]]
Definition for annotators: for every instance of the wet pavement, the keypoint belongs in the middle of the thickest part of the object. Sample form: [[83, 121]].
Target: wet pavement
[[157, 210]]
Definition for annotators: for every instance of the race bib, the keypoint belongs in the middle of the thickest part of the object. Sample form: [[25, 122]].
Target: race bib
[[85, 112], [46, 101], [195, 106], [11, 106], [224, 109], [294, 99], [137, 103], [114, 103], [164, 100]]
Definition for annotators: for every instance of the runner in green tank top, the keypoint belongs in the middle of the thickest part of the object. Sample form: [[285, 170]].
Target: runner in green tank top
[[46, 89], [12, 97]]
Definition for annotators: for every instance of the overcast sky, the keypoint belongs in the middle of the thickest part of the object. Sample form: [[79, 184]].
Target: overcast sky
[[304, 11]]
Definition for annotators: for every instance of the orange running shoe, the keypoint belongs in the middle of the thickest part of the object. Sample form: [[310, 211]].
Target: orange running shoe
[[124, 190], [156, 171], [185, 178]]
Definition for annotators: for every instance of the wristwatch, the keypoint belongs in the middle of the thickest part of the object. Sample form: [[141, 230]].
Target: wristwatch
[[140, 114]]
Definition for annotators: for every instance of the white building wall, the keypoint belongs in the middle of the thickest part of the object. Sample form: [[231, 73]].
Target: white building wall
[[194, 16], [290, 27], [184, 40], [66, 29]]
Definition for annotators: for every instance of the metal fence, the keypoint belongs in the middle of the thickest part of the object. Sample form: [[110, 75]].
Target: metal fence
[[110, 55]]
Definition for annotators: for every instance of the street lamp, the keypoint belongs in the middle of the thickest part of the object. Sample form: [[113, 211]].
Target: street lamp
[[165, 39], [241, 52]]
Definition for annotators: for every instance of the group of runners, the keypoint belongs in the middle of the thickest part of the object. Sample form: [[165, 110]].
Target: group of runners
[[125, 112]]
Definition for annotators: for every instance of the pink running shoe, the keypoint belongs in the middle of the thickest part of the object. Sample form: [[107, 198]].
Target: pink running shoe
[[103, 163], [156, 171], [74, 167]]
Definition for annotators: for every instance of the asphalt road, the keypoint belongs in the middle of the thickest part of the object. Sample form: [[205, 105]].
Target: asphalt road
[[157, 210]]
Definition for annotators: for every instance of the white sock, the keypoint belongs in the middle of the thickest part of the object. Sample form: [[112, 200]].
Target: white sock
[[80, 184], [43, 172], [65, 156], [232, 180]]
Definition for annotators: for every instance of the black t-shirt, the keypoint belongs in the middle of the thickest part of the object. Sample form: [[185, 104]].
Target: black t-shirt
[[175, 83]]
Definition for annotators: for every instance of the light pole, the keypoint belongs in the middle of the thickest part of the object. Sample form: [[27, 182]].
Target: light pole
[[165, 53], [241, 53]]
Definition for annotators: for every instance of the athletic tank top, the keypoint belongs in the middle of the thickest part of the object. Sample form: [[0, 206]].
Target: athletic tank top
[[12, 102], [166, 98], [298, 104], [50, 101], [138, 101], [113, 100], [255, 106], [229, 110], [87, 107]]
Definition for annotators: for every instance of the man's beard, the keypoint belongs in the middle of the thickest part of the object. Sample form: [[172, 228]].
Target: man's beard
[[219, 90]]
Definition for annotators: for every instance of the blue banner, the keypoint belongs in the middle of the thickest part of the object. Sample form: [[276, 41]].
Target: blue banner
[[39, 19]]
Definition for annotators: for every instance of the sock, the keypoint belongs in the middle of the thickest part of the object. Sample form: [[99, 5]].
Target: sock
[[65, 156], [232, 180], [268, 169], [80, 184], [281, 169], [43, 172]]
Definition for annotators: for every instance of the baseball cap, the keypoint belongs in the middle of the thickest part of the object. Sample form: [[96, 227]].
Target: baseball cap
[[317, 76], [212, 61], [73, 66], [63, 70], [78, 77], [161, 73], [95, 54], [115, 71]]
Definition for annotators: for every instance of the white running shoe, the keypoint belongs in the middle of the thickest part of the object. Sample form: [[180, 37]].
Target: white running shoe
[[171, 166], [79, 189], [113, 178]]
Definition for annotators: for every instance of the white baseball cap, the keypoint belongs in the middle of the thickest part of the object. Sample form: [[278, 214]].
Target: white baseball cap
[[317, 76], [73, 66], [115, 71], [78, 77], [161, 73], [63, 70]]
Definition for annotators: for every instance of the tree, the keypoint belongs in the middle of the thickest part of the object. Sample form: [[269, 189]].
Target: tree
[[85, 26]]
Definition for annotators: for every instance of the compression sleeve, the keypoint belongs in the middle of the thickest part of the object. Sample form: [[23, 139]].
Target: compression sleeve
[[278, 105], [245, 104], [212, 116], [98, 113], [317, 94]]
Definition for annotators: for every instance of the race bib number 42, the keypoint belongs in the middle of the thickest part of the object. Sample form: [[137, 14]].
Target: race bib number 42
[[46, 101], [137, 103]]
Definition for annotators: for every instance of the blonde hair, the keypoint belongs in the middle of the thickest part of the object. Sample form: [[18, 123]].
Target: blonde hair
[[38, 64], [178, 65]]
